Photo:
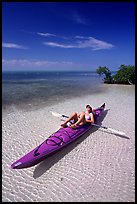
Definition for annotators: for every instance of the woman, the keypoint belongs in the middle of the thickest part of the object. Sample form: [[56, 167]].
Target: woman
[[80, 118]]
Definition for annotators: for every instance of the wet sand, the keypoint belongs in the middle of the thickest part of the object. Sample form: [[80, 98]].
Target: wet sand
[[98, 167]]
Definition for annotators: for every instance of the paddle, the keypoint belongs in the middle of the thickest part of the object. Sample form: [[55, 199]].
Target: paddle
[[104, 127]]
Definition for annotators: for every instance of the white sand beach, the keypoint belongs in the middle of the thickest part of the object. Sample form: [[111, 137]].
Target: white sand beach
[[98, 167]]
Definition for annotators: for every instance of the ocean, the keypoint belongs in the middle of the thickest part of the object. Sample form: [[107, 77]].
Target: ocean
[[30, 90]]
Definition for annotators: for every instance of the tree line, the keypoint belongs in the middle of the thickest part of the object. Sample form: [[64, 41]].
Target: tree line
[[124, 75]]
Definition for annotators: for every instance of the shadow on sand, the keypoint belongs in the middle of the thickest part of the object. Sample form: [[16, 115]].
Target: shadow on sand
[[42, 167]]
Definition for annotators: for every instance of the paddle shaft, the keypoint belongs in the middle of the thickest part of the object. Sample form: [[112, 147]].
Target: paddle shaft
[[104, 127]]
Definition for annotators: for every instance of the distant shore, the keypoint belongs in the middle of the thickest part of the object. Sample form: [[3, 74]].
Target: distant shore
[[98, 167]]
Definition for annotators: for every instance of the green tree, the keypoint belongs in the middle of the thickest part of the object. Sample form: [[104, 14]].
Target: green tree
[[125, 75], [104, 70]]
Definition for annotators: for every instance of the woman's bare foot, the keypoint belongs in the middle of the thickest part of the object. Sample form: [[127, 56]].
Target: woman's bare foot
[[73, 126], [64, 125]]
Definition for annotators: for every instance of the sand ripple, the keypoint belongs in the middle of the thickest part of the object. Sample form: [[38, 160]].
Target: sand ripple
[[97, 167]]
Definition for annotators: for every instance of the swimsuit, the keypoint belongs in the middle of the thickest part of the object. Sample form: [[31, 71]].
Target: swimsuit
[[88, 117]]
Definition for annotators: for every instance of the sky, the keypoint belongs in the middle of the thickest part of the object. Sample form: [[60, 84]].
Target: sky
[[67, 35]]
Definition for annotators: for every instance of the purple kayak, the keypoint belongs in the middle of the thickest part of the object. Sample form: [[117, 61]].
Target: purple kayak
[[54, 142]]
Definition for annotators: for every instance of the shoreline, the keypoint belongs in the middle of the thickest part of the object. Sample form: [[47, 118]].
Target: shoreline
[[33, 106], [97, 167]]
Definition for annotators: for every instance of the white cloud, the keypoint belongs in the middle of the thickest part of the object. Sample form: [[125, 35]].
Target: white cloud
[[12, 45], [78, 18], [78, 41], [95, 44], [46, 34], [84, 42], [53, 44], [81, 37], [35, 63]]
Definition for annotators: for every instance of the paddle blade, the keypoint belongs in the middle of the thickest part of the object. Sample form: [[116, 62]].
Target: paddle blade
[[116, 131], [56, 114]]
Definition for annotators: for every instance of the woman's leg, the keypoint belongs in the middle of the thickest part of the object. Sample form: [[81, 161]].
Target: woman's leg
[[74, 117], [80, 121]]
